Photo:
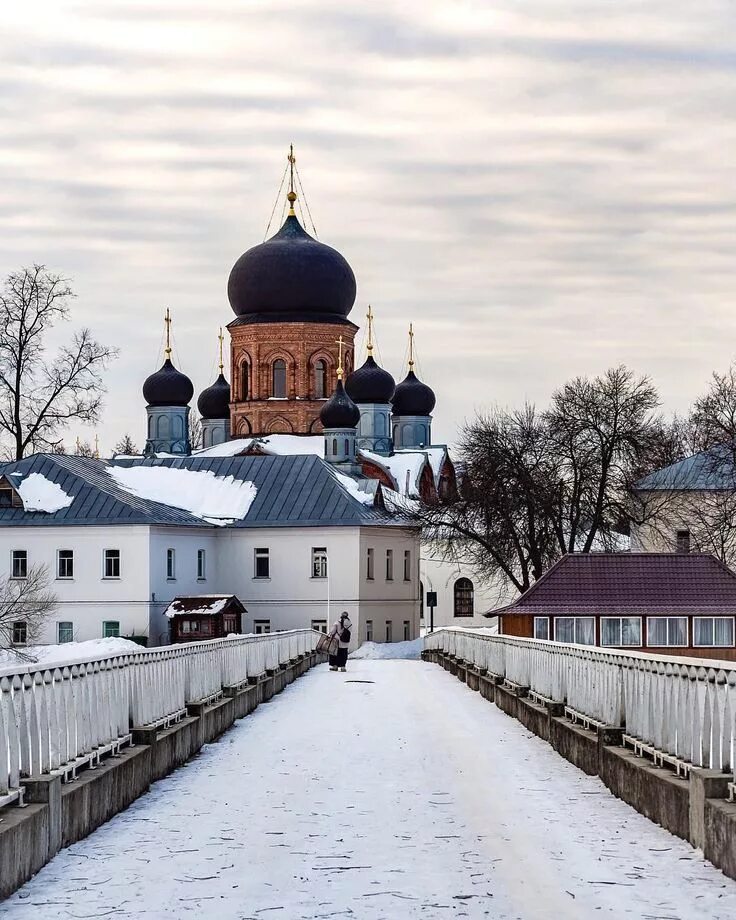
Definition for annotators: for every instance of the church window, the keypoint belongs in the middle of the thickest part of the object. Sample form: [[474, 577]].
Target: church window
[[279, 379], [320, 380], [244, 375], [334, 447], [347, 447], [463, 597]]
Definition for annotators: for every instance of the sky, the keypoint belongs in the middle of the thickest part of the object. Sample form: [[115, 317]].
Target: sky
[[543, 188]]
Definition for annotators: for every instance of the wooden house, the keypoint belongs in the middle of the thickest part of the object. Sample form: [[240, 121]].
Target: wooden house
[[204, 616]]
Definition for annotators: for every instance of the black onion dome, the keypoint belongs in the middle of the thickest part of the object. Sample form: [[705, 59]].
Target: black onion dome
[[292, 276], [370, 383], [168, 387], [412, 397], [214, 402], [339, 411]]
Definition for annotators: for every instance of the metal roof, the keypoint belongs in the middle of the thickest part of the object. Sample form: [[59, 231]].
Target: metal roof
[[709, 470]]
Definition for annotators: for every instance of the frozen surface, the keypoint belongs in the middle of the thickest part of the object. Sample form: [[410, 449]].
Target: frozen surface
[[200, 492], [391, 791], [69, 651], [40, 494]]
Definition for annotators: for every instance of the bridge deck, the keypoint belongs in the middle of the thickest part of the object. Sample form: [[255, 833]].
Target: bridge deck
[[404, 796]]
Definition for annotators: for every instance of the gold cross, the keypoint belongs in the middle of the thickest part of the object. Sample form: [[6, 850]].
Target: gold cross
[[291, 197], [221, 337], [411, 346], [369, 314], [167, 320], [339, 343]]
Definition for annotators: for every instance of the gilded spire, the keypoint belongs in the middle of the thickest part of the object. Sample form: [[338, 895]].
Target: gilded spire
[[411, 346], [291, 197], [167, 320], [369, 315], [340, 370], [221, 339]]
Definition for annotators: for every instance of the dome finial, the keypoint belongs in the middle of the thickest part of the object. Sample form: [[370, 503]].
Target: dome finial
[[369, 316], [339, 344], [167, 320], [291, 197], [221, 339], [411, 346]]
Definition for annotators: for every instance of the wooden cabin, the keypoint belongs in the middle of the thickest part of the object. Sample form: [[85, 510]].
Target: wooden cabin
[[204, 616]]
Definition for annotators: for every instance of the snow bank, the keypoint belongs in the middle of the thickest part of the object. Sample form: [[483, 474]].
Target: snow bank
[[40, 494], [385, 650], [351, 486], [405, 468], [227, 449], [68, 651], [200, 492]]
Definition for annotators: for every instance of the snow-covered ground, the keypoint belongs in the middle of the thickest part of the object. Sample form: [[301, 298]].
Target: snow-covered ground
[[70, 652], [391, 791]]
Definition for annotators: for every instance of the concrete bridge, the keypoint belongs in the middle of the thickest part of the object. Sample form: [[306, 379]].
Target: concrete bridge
[[389, 791]]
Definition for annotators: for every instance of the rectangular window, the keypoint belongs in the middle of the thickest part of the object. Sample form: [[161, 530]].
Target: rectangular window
[[201, 565], [110, 629], [369, 572], [171, 564], [621, 631], [713, 632], [65, 563], [64, 631], [262, 564], [389, 631], [261, 627], [666, 631], [541, 628], [575, 630], [20, 632], [111, 566], [319, 562], [320, 625], [407, 565], [185, 626], [683, 541], [20, 563], [389, 565], [407, 630], [369, 630]]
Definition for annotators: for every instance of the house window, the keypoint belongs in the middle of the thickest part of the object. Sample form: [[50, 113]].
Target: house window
[[110, 629], [111, 566], [278, 389], [64, 631], [6, 497], [407, 630], [389, 565], [575, 630], [621, 631], [201, 565], [65, 563], [20, 563], [713, 632], [244, 379], [407, 565], [261, 627], [171, 564], [320, 380], [389, 631], [319, 562], [262, 563], [666, 631], [463, 592], [369, 630], [683, 541], [369, 559], [20, 632], [541, 628], [319, 625]]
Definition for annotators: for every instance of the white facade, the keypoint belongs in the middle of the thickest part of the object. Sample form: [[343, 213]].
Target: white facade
[[442, 577]]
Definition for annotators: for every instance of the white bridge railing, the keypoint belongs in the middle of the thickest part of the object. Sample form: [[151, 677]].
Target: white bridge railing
[[680, 711], [58, 717]]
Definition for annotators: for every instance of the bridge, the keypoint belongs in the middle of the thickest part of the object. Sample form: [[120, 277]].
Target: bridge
[[390, 791]]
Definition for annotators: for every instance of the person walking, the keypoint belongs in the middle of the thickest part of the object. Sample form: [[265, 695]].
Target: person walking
[[341, 631]]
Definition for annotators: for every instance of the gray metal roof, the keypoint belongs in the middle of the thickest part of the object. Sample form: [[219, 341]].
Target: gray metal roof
[[709, 470], [294, 491]]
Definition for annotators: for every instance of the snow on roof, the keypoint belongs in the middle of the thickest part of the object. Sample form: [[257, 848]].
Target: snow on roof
[[198, 605], [405, 468], [281, 445], [200, 492], [40, 494], [227, 449], [353, 487]]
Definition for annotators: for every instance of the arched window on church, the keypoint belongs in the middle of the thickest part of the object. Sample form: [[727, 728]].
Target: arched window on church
[[244, 380], [463, 597], [320, 379], [334, 447], [278, 387]]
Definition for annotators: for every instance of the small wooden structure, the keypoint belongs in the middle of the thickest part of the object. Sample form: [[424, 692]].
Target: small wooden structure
[[204, 616]]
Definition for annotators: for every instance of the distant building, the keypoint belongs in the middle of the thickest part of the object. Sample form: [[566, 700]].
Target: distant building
[[204, 616]]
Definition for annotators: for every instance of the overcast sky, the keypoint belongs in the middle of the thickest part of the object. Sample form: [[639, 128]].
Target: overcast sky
[[544, 188]]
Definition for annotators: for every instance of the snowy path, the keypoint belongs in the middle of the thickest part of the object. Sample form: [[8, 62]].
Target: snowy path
[[406, 796]]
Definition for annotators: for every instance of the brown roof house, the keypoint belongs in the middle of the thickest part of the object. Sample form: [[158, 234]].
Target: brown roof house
[[204, 616], [665, 603]]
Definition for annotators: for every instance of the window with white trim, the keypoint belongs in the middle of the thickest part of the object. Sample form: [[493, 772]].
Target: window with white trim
[[407, 630], [320, 625], [171, 564], [575, 630], [111, 563], [20, 632], [389, 565], [110, 629], [621, 631], [389, 631], [541, 628], [713, 632], [19, 563], [64, 631], [666, 631], [65, 563], [262, 565], [369, 630], [369, 559], [407, 565], [201, 565], [261, 627], [319, 562]]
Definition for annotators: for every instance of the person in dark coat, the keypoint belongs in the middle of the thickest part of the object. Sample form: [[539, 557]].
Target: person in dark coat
[[341, 631]]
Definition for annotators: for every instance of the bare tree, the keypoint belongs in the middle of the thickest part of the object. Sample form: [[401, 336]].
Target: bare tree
[[713, 416], [84, 449], [126, 446], [25, 606], [40, 396], [195, 430]]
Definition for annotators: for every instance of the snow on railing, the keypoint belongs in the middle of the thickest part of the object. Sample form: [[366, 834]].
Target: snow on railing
[[677, 710], [58, 717]]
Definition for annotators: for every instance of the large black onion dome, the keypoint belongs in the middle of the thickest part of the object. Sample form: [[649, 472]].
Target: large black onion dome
[[339, 411], [370, 383], [412, 397], [168, 387], [214, 402], [292, 276]]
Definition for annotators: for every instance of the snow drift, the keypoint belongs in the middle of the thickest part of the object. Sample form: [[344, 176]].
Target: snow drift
[[385, 650]]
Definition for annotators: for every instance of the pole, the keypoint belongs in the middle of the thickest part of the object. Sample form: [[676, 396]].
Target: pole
[[431, 618], [327, 563]]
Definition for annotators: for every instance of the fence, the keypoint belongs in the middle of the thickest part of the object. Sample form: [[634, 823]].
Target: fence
[[58, 717], [680, 711]]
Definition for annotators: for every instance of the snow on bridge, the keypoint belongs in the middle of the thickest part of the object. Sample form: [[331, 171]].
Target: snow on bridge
[[391, 791]]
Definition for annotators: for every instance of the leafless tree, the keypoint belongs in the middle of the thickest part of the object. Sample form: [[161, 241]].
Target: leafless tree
[[713, 416], [39, 395], [25, 605], [195, 430]]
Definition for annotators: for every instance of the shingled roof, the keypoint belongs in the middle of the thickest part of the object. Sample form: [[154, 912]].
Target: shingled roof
[[583, 584]]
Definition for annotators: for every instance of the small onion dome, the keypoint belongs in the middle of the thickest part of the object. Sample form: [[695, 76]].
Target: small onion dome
[[412, 397], [168, 387], [339, 411], [292, 276], [214, 402], [370, 383]]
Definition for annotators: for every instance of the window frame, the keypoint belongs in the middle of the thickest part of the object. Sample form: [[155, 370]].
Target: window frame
[[59, 576], [389, 565], [682, 541], [108, 558], [319, 378], [575, 630], [370, 564], [318, 625], [279, 362], [389, 630], [64, 624], [407, 565], [651, 644], [621, 644], [17, 628], [713, 619], [544, 620], [320, 571], [201, 565], [369, 630], [407, 630], [261, 553], [106, 634], [170, 564], [21, 554], [463, 601], [262, 627]]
